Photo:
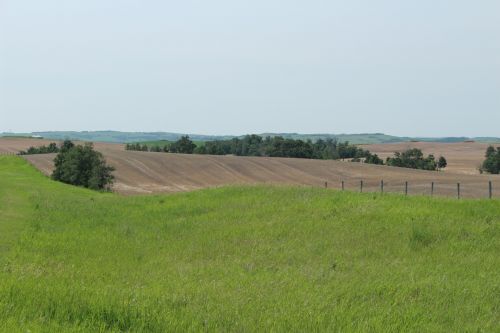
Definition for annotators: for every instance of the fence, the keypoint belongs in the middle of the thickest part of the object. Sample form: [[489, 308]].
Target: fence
[[485, 190]]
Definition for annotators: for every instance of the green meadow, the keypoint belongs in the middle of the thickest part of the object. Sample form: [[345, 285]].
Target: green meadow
[[243, 259]]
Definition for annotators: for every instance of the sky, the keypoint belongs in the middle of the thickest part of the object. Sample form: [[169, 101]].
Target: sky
[[409, 68]]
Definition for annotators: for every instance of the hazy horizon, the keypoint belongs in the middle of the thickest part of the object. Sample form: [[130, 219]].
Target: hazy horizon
[[426, 69]]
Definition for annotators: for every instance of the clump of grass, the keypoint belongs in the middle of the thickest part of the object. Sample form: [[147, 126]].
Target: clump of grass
[[421, 236]]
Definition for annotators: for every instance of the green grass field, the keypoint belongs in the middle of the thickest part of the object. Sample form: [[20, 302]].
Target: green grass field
[[243, 259]]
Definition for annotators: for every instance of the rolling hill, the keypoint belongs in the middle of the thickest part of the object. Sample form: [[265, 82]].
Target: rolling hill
[[247, 259], [128, 137], [146, 172]]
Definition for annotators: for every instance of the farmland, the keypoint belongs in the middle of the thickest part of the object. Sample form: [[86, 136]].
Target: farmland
[[143, 173], [256, 258], [463, 157]]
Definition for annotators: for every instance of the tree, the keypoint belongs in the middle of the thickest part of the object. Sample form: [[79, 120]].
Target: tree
[[492, 162], [155, 149], [414, 159], [490, 151], [373, 159], [51, 148], [66, 145], [82, 166], [183, 146], [442, 163]]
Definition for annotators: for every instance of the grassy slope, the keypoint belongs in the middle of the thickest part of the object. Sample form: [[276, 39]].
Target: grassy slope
[[243, 259]]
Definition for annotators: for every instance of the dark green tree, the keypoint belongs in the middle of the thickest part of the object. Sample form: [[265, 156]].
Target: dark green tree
[[442, 163], [82, 166], [413, 159], [373, 159], [183, 146], [492, 162], [51, 148]]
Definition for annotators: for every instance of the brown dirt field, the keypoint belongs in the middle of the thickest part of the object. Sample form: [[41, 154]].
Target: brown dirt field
[[143, 172], [462, 157], [11, 145]]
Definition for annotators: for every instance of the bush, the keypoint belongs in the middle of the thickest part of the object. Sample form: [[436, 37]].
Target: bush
[[414, 159], [373, 159], [82, 166], [492, 162], [183, 146], [442, 163], [51, 148]]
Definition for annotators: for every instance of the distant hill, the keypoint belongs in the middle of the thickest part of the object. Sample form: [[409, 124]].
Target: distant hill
[[117, 137], [124, 137], [364, 138]]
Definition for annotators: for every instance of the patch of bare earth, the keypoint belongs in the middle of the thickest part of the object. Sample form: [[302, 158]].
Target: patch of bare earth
[[463, 157], [143, 172]]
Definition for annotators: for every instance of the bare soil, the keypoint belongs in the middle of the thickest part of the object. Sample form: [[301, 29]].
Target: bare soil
[[462, 157], [146, 172]]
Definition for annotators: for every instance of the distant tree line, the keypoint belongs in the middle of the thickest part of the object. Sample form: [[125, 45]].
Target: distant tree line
[[51, 148], [277, 146], [415, 159], [492, 162], [182, 146], [255, 145], [137, 147]]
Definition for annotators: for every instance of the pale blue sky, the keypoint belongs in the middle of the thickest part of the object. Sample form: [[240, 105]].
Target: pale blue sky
[[417, 68]]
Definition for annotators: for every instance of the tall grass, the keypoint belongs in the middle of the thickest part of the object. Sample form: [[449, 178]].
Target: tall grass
[[243, 259]]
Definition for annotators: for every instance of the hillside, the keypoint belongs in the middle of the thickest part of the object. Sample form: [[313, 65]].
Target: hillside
[[143, 172], [242, 259], [463, 157]]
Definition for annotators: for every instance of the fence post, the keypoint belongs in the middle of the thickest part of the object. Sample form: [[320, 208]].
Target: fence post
[[406, 188], [382, 186], [490, 189], [326, 184], [458, 190], [361, 186], [432, 189], [343, 187]]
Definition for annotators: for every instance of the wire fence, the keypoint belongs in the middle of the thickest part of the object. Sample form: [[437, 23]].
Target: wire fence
[[458, 190]]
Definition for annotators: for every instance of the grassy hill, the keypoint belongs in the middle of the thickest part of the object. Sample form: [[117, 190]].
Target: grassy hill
[[243, 259]]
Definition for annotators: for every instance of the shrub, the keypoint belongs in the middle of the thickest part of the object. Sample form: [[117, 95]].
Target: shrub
[[183, 146], [82, 166], [51, 148], [442, 163], [492, 162], [413, 159]]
